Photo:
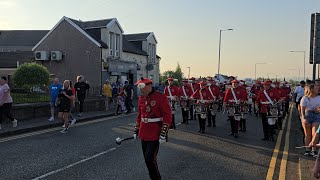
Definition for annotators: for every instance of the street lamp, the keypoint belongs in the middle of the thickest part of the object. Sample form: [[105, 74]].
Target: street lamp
[[255, 70], [220, 51], [304, 63], [189, 72]]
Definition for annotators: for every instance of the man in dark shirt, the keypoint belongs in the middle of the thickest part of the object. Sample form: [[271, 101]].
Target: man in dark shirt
[[81, 88], [128, 91]]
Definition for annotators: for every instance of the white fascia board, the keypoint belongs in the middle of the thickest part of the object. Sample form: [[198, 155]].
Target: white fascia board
[[114, 20], [152, 34]]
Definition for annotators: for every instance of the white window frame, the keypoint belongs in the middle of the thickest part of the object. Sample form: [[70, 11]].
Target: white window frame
[[117, 45], [111, 45]]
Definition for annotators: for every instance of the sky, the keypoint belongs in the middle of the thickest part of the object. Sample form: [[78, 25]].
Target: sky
[[188, 31]]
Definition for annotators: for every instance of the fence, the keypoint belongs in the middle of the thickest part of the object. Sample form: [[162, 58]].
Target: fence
[[34, 95]]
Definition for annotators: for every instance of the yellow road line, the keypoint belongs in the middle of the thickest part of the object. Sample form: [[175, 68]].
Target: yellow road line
[[283, 166], [274, 158], [58, 128]]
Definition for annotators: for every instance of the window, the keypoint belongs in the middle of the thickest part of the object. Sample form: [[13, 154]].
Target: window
[[117, 45], [111, 44], [153, 55], [149, 51]]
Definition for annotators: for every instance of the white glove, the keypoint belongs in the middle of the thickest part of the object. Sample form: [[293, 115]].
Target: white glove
[[135, 136], [162, 139]]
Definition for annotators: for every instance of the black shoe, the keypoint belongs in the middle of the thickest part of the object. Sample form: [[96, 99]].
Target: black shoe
[[265, 139], [235, 135], [240, 130], [182, 122], [202, 132], [271, 138], [231, 134], [199, 131]]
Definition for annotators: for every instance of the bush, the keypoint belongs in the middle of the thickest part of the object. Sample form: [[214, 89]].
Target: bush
[[31, 74]]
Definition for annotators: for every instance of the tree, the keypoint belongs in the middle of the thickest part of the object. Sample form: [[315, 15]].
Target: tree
[[177, 74], [31, 74]]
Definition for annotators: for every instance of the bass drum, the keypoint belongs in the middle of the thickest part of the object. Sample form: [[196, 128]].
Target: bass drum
[[273, 111], [201, 109], [234, 110]]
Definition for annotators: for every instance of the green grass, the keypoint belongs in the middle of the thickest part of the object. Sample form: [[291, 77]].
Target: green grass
[[19, 98]]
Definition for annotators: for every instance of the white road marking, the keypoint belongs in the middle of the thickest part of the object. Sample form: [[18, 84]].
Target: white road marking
[[71, 165]]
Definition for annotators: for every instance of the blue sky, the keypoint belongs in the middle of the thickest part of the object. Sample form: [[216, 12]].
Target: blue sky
[[188, 31]]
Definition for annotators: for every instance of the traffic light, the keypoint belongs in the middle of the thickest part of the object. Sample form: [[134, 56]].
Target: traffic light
[[315, 39]]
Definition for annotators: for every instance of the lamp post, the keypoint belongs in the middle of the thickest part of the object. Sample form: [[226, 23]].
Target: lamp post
[[255, 70], [189, 72], [220, 51], [304, 63]]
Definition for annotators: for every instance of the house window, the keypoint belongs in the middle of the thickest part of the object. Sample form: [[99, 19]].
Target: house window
[[117, 45], [153, 53], [150, 52], [111, 43]]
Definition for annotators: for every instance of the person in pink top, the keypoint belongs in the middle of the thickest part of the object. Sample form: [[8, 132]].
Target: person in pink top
[[6, 102]]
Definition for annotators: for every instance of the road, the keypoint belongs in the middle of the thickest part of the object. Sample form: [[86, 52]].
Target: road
[[89, 151]]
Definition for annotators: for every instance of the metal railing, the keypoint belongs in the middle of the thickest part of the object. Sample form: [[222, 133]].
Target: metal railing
[[35, 95]]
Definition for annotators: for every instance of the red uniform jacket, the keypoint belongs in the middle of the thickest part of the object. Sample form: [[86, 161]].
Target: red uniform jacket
[[262, 98], [241, 95], [187, 90], [215, 91], [204, 92], [255, 91], [281, 92], [174, 90], [195, 87], [155, 105]]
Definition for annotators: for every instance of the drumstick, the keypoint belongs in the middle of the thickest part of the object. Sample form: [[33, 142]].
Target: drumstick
[[300, 147]]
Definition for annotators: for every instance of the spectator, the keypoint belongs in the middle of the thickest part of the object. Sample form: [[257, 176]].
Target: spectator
[[73, 105], [115, 92], [298, 93], [161, 87], [310, 117], [121, 103], [81, 91], [64, 101], [6, 102], [128, 91], [54, 91], [107, 94]]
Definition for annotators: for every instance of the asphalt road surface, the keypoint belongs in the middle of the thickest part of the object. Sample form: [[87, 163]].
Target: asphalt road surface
[[89, 151]]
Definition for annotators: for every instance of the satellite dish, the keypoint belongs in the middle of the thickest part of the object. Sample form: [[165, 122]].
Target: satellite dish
[[149, 67]]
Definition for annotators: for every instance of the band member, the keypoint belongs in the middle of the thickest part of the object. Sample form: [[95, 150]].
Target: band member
[[282, 93], [152, 125], [255, 91], [266, 97], [203, 97], [234, 96], [215, 94], [172, 93], [193, 87], [185, 92]]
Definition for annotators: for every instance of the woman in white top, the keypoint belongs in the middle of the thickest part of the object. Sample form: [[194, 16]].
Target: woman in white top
[[6, 102], [310, 115]]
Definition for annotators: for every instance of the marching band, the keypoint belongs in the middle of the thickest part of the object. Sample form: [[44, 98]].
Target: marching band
[[203, 98]]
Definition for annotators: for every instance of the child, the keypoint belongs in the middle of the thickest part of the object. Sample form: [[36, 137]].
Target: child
[[120, 103]]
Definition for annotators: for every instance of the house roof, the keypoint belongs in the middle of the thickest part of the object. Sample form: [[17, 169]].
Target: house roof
[[21, 37], [137, 37], [9, 59], [130, 47], [92, 24]]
